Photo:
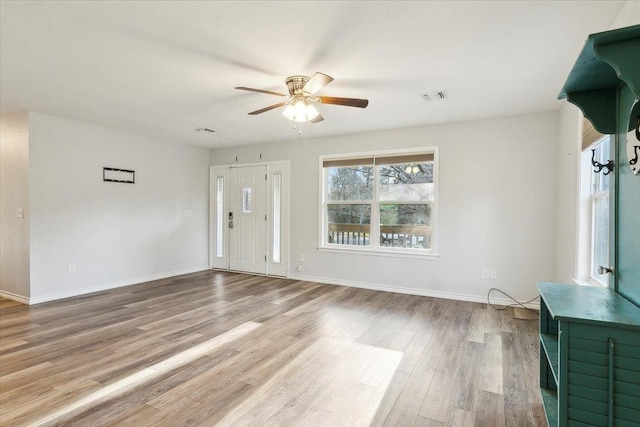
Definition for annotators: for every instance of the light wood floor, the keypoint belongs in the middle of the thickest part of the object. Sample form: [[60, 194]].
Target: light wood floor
[[216, 348]]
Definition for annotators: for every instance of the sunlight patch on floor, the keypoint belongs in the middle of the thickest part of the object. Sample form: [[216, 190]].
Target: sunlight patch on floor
[[153, 371], [339, 381]]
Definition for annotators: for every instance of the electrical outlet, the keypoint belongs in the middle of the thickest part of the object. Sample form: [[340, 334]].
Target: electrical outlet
[[486, 274], [72, 268], [494, 274], [188, 212], [19, 213]]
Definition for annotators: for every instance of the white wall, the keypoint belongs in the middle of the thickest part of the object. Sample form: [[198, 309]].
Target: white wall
[[629, 15], [497, 207], [14, 194], [568, 159], [116, 234]]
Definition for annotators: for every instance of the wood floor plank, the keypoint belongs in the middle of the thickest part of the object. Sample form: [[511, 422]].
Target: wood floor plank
[[426, 422], [517, 398], [5, 302], [477, 326], [513, 370], [313, 354], [437, 401], [493, 321], [490, 409], [507, 320], [409, 402], [491, 365], [390, 398], [461, 418]]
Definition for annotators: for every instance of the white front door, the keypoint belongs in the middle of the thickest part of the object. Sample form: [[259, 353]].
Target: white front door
[[248, 219]]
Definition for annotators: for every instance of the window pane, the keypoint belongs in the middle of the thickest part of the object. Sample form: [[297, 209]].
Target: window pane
[[349, 224], [601, 237], [600, 181], [404, 225], [277, 185], [604, 158], [406, 182], [219, 215], [246, 200], [350, 183]]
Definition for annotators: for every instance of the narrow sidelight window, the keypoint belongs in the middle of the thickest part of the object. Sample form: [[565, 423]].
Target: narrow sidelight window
[[277, 219], [219, 216]]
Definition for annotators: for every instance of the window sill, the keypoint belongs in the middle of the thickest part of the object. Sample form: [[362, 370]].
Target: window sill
[[398, 253], [591, 282]]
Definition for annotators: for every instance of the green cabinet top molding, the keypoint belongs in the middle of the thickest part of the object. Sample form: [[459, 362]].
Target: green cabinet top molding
[[589, 304], [607, 60]]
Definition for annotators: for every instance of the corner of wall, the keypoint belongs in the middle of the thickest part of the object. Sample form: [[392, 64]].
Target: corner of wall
[[567, 168], [14, 206]]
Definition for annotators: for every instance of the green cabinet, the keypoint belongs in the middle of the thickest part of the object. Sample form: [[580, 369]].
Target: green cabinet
[[605, 84], [590, 336], [589, 356]]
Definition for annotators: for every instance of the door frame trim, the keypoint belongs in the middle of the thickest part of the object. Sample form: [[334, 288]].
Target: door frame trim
[[285, 167]]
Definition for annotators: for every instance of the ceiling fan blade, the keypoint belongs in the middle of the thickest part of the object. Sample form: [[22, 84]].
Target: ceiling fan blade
[[317, 82], [270, 107], [349, 102], [317, 119], [260, 91]]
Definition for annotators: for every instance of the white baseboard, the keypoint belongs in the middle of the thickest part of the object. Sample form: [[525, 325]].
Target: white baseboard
[[14, 297], [413, 291], [103, 287], [362, 285]]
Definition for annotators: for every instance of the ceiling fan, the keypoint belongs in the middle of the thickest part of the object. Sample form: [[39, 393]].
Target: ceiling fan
[[302, 95]]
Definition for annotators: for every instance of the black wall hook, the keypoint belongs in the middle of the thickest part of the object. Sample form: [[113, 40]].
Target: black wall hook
[[600, 166], [636, 149]]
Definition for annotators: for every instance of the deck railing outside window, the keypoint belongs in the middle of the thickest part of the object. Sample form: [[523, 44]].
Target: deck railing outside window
[[398, 236]]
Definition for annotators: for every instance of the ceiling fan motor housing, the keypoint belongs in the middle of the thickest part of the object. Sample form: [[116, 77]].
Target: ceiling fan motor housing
[[295, 84]]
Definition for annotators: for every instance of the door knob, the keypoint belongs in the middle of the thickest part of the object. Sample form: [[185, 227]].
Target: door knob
[[605, 270]]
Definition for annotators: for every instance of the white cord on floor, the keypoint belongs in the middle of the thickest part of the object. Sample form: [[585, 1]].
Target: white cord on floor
[[517, 303]]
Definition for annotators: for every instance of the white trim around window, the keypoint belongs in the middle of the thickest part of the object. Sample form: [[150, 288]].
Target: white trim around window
[[410, 246], [593, 193]]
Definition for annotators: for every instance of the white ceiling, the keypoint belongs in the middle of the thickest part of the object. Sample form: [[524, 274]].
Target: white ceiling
[[165, 68]]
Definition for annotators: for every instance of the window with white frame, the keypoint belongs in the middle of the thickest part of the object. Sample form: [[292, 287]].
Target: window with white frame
[[594, 213], [599, 197], [380, 202]]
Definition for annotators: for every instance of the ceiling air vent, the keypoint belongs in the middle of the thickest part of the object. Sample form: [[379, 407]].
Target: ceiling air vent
[[205, 130], [435, 96]]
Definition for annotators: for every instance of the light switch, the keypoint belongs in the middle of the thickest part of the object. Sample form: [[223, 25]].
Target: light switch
[[188, 212]]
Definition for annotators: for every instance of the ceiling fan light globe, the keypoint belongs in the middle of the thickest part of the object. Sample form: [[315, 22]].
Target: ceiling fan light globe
[[300, 108], [289, 112], [311, 112]]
